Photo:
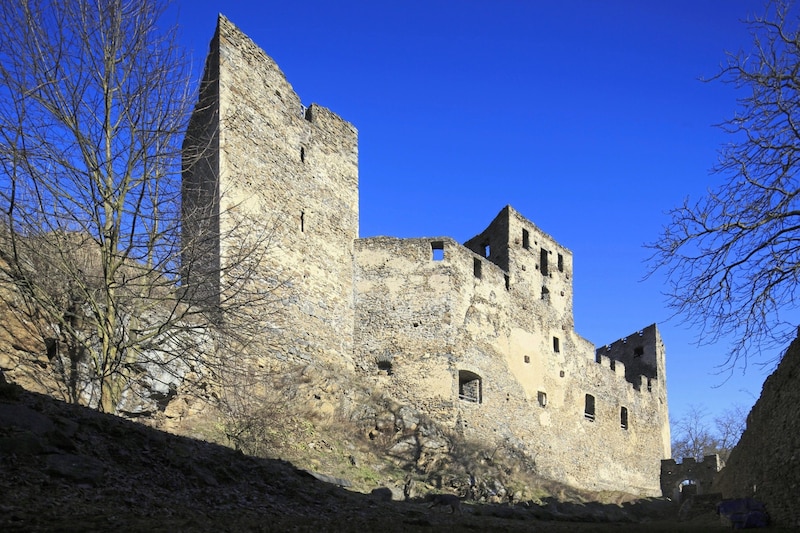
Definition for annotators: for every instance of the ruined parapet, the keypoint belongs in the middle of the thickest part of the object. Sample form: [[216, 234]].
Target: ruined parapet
[[689, 472]]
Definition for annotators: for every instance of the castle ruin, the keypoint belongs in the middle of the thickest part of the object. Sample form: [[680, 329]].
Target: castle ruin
[[479, 336]]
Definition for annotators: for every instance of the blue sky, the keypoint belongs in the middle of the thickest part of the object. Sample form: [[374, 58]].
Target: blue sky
[[588, 117]]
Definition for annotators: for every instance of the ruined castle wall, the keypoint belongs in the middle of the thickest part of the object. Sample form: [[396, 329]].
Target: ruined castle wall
[[287, 177], [446, 320], [765, 464]]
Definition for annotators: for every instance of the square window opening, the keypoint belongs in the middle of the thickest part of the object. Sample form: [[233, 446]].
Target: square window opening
[[437, 251]]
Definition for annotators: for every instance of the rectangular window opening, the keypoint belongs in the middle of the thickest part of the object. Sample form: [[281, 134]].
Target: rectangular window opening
[[476, 267], [560, 263], [543, 262], [487, 250], [588, 410], [508, 282], [542, 398], [527, 359], [556, 347], [623, 417], [526, 243], [437, 251]]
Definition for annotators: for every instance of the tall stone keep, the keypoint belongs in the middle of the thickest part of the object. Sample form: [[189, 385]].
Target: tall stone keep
[[253, 151]]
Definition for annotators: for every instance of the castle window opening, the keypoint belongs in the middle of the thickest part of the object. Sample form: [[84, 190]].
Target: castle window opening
[[545, 294], [649, 385], [543, 262], [487, 250], [469, 386], [556, 345], [302, 221], [588, 410], [508, 281], [476, 267], [560, 263], [437, 250], [542, 398], [638, 351], [302, 154], [385, 363], [526, 243], [527, 358], [623, 417]]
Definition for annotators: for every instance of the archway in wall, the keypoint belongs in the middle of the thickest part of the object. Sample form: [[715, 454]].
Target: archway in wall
[[686, 488]]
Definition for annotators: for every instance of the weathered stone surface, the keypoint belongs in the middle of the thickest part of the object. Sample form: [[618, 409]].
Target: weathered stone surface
[[477, 338], [765, 464]]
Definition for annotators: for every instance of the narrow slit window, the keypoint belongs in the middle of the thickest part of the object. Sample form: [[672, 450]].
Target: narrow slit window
[[623, 417], [437, 251], [508, 282], [543, 262], [560, 263], [526, 243], [476, 267], [556, 345], [302, 155], [302, 221], [588, 409]]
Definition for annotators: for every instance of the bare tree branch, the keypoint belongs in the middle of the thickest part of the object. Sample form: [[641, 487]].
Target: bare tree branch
[[732, 258]]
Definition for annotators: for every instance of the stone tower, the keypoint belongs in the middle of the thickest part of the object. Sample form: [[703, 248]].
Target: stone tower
[[253, 150]]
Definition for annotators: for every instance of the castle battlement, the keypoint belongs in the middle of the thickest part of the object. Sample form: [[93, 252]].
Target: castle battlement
[[478, 336]]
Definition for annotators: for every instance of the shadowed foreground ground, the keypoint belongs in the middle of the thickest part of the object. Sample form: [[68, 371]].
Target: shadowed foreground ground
[[66, 468]]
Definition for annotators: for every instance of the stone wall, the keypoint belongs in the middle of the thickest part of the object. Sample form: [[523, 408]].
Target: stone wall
[[478, 337], [765, 464], [700, 475], [432, 317]]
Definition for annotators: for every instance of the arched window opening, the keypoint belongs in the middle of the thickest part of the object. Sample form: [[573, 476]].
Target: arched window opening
[[469, 386]]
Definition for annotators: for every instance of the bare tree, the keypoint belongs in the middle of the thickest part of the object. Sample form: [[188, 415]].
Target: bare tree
[[733, 257], [695, 436], [692, 435], [94, 102]]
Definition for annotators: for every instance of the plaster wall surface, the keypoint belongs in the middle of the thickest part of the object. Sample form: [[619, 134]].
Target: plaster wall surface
[[480, 337]]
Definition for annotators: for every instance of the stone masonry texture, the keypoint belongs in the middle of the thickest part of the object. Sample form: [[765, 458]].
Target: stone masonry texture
[[765, 464], [480, 337]]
